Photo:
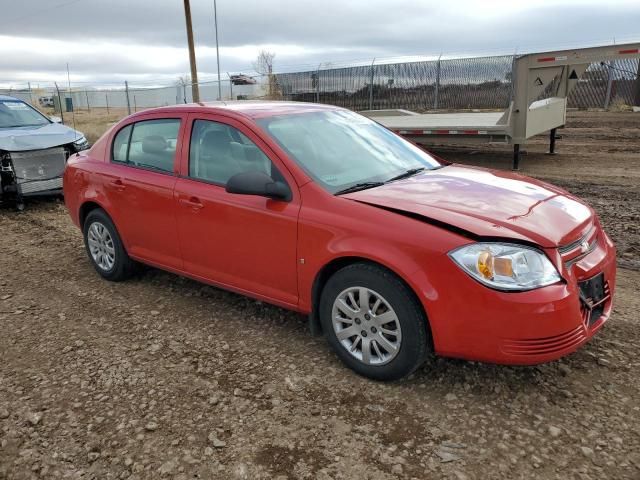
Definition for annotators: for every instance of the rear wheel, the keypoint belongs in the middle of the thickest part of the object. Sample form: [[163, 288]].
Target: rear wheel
[[104, 247], [373, 322]]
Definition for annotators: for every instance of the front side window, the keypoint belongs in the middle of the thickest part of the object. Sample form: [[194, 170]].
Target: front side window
[[338, 148], [148, 144], [16, 113], [219, 151]]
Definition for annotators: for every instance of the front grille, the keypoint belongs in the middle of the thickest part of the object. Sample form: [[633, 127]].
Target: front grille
[[580, 248], [38, 170], [547, 345], [35, 186], [565, 249]]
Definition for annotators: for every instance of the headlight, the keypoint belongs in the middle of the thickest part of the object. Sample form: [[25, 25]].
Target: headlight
[[81, 143], [506, 266]]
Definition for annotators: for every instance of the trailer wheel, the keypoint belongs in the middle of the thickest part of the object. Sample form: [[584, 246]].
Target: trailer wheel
[[104, 247]]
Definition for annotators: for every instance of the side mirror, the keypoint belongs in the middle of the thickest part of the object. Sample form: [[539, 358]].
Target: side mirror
[[258, 183], [55, 119]]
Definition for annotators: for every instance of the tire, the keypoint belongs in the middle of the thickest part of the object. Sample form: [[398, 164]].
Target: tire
[[110, 259], [409, 333]]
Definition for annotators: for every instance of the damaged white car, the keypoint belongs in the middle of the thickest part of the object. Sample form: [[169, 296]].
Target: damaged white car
[[33, 151]]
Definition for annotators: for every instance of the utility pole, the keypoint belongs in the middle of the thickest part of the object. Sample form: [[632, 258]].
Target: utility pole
[[215, 22], [195, 92]]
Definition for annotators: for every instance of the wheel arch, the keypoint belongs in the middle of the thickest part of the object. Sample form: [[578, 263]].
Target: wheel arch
[[336, 264], [87, 207]]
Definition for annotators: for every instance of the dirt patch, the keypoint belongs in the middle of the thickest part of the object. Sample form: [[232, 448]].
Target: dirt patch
[[162, 377]]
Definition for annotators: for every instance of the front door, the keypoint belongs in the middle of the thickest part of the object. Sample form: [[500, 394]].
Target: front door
[[244, 242]]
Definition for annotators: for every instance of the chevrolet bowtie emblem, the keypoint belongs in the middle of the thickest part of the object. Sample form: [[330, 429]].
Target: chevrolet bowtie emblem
[[584, 246]]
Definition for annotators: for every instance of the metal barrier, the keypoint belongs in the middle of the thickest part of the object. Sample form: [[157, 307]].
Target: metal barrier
[[438, 84], [450, 84]]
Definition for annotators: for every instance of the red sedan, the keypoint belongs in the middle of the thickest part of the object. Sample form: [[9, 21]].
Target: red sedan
[[391, 252]]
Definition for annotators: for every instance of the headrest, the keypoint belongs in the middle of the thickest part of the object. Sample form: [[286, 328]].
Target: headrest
[[154, 144], [216, 139], [238, 151]]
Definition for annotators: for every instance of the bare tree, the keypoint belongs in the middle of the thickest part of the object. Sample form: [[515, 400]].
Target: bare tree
[[182, 82], [264, 66], [264, 63]]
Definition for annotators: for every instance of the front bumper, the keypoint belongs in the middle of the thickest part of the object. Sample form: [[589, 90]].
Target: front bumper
[[522, 328]]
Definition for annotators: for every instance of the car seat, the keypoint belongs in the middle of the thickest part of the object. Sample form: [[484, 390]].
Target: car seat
[[215, 161], [156, 153]]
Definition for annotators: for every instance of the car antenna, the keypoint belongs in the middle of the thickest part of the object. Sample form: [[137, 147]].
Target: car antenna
[[73, 110]]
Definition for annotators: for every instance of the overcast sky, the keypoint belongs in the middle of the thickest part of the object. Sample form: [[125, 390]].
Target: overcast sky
[[144, 41]]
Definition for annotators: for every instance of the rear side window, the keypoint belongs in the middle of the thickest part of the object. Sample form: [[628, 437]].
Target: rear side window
[[121, 143], [148, 144]]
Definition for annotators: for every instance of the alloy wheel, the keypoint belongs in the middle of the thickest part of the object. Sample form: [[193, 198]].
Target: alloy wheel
[[366, 325], [101, 246]]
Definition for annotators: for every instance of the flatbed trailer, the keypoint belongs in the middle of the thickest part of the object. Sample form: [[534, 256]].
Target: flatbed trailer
[[541, 83]]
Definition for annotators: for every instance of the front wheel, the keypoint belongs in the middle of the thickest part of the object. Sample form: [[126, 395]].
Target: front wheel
[[373, 322], [105, 248]]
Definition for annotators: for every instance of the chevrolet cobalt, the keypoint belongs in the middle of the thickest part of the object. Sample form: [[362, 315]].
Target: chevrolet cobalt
[[391, 252]]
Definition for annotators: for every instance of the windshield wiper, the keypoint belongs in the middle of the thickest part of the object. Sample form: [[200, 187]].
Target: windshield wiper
[[409, 173], [359, 186]]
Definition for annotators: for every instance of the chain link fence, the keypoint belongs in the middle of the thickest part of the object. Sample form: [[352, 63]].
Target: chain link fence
[[450, 84], [440, 84], [138, 98]]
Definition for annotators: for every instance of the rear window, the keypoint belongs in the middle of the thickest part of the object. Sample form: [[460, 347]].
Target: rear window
[[148, 144]]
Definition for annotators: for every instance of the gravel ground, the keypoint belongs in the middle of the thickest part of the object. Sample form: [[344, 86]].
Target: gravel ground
[[161, 377]]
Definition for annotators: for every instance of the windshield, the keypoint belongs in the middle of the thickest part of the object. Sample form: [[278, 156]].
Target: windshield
[[15, 113], [339, 148]]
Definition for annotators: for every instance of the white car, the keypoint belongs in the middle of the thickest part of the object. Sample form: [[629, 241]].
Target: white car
[[33, 151], [46, 101]]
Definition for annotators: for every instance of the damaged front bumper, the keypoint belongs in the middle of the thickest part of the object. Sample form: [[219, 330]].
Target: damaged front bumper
[[34, 172]]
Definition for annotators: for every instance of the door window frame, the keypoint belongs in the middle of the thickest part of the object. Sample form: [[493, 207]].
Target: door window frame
[[177, 159], [247, 132]]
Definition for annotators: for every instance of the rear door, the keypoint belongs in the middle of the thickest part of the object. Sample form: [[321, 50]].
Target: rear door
[[140, 182], [244, 242]]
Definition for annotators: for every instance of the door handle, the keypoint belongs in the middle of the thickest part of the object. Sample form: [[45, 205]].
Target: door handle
[[117, 185], [192, 202]]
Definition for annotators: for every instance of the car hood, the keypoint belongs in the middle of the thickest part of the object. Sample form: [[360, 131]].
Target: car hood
[[36, 138], [485, 203]]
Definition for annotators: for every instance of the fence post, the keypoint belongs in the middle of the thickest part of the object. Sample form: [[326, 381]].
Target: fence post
[[30, 93], [126, 91], [59, 102], [106, 101], [86, 94], [607, 97], [318, 84], [230, 87], [135, 105], [437, 92], [637, 95], [371, 86]]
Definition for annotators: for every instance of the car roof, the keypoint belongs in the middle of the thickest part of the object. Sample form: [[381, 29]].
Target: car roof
[[249, 108], [7, 97]]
